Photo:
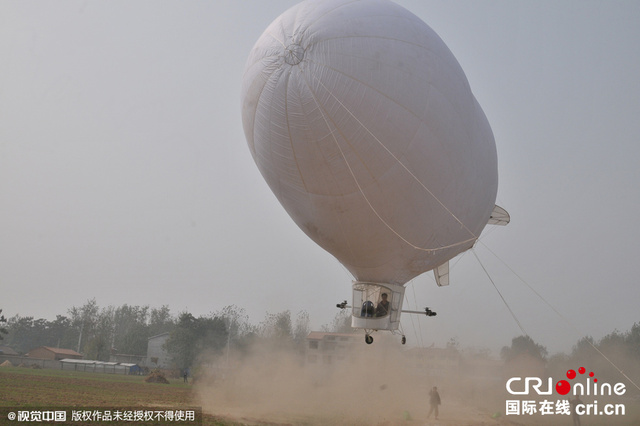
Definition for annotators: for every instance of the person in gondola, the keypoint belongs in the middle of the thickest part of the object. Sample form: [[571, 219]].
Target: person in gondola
[[383, 306]]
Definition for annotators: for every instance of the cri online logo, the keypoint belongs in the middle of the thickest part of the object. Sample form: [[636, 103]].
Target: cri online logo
[[563, 387]]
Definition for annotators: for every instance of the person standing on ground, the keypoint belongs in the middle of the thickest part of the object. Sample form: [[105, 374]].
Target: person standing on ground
[[434, 401]]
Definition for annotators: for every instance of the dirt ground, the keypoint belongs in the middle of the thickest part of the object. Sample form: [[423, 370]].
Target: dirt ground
[[367, 388]]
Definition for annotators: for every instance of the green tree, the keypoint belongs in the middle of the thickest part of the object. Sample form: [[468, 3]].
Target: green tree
[[277, 330], [632, 341], [182, 342], [84, 320], [523, 345], [341, 323], [160, 321], [241, 332], [100, 337], [191, 336], [3, 330], [301, 329], [130, 329], [61, 333], [615, 339], [26, 333], [584, 352]]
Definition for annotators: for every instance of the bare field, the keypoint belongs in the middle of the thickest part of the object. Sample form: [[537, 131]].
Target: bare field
[[374, 387], [224, 403], [28, 388], [279, 392]]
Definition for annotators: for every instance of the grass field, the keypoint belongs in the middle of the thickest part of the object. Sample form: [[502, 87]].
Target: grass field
[[33, 389]]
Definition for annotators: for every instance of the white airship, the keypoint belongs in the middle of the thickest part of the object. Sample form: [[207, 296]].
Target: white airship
[[364, 126]]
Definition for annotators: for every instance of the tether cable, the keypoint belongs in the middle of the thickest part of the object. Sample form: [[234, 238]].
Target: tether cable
[[565, 319], [501, 296]]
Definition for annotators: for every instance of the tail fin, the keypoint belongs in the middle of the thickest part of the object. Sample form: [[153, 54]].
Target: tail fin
[[499, 216]]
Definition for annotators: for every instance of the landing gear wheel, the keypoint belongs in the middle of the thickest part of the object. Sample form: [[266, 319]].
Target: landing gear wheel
[[369, 339], [403, 340]]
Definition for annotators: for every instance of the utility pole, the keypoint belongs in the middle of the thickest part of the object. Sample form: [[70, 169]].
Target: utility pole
[[80, 337]]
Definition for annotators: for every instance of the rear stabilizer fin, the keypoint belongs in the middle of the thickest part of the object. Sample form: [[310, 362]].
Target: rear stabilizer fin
[[499, 216], [442, 274]]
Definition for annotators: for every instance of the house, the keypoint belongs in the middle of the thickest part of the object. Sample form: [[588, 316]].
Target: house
[[328, 348], [46, 352], [157, 356], [6, 350]]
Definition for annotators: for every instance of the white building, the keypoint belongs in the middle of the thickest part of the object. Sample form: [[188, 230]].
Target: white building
[[157, 357], [329, 348]]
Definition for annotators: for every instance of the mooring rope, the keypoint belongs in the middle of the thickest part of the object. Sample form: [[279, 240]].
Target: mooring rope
[[564, 318]]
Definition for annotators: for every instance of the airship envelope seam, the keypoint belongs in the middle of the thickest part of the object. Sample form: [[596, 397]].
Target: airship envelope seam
[[369, 136]]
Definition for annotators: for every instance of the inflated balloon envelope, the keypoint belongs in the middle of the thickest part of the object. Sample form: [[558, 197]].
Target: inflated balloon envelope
[[364, 126]]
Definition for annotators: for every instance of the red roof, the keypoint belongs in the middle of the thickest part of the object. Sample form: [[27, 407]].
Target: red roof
[[62, 351], [6, 350]]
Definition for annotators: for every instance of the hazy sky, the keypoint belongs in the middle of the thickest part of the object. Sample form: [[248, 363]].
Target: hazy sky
[[125, 174]]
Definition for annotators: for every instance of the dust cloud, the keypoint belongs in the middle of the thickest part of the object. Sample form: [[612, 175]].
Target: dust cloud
[[380, 383]]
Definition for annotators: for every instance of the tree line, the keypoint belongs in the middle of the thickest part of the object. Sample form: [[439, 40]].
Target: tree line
[[90, 330], [615, 355], [99, 332]]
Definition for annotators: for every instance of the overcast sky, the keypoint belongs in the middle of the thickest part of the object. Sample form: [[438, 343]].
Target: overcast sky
[[125, 174]]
